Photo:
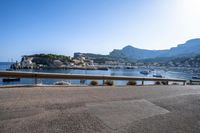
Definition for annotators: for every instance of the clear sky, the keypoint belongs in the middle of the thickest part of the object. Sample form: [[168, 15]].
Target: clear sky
[[95, 26]]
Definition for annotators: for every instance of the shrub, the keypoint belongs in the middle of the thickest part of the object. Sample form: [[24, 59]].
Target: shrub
[[131, 82], [157, 83], [175, 83], [108, 83], [94, 83], [164, 83]]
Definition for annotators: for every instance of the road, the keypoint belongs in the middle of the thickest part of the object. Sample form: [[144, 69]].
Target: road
[[115, 109]]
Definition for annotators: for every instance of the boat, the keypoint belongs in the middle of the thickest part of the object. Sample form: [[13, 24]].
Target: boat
[[157, 76], [144, 72], [10, 79], [62, 83], [102, 68], [195, 77]]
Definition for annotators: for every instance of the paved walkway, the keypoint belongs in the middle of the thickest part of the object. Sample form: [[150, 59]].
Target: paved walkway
[[134, 109]]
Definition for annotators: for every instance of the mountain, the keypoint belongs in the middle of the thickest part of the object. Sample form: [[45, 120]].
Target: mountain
[[193, 61], [189, 48]]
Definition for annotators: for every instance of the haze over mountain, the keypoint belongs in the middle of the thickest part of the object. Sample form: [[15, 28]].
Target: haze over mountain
[[189, 48]]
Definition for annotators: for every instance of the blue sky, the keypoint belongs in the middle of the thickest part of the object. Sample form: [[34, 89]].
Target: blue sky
[[96, 26]]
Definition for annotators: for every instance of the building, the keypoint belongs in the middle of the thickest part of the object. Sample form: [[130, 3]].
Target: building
[[78, 55]]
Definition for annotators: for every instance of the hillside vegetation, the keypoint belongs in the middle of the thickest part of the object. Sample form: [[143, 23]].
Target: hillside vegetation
[[51, 57]]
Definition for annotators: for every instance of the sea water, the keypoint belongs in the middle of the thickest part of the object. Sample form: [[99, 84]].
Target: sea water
[[179, 73]]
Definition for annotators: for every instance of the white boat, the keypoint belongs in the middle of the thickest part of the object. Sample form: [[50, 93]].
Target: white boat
[[62, 83], [157, 76]]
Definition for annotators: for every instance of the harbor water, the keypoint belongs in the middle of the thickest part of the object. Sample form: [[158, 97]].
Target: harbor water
[[180, 73]]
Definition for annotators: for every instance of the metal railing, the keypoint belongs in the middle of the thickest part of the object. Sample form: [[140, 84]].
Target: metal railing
[[193, 82], [36, 75]]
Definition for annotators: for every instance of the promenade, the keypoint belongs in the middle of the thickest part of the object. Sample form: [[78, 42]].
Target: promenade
[[114, 109]]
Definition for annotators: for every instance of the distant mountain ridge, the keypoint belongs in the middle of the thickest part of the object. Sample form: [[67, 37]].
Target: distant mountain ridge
[[189, 48]]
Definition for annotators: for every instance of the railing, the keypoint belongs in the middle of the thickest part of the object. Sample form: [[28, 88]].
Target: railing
[[192, 82], [37, 75]]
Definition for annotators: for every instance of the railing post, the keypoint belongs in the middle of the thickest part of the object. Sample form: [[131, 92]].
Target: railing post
[[184, 82], [35, 79], [82, 81], [190, 82], [142, 82]]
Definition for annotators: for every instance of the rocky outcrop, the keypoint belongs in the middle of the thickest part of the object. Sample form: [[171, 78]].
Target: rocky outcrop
[[41, 61]]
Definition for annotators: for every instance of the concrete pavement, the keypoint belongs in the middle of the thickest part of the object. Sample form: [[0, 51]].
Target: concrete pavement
[[118, 109]]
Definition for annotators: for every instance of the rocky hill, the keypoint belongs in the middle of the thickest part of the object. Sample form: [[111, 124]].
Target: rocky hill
[[185, 62], [189, 48], [42, 61], [101, 59]]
